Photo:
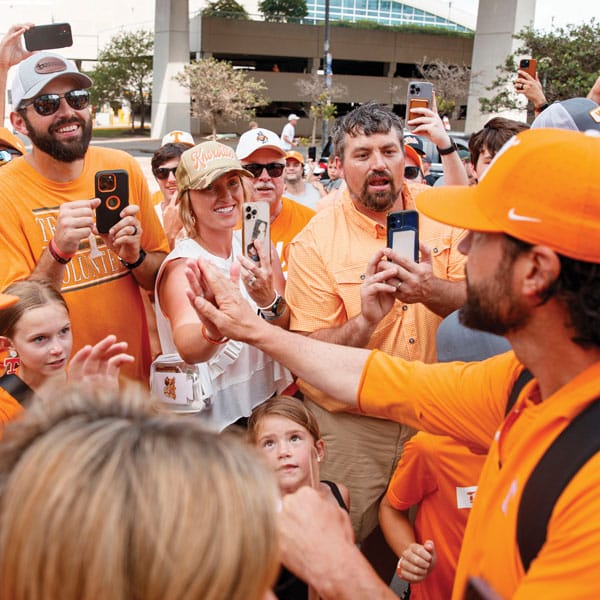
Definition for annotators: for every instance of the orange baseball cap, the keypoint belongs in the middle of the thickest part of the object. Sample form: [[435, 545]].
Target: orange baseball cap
[[410, 151], [7, 300], [543, 187], [295, 155]]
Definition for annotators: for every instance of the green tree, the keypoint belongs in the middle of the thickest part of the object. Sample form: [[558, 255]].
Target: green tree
[[226, 9], [124, 71], [218, 92], [283, 10], [321, 106], [568, 65]]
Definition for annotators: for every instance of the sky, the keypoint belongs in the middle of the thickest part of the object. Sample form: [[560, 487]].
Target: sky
[[549, 13]]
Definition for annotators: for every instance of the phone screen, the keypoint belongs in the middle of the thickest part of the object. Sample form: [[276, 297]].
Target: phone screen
[[403, 242]]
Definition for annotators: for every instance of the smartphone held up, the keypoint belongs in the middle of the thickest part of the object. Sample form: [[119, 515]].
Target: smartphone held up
[[47, 37], [529, 65], [403, 233], [112, 188], [420, 95], [256, 226]]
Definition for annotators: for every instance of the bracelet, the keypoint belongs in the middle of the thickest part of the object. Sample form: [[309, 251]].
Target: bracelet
[[399, 567], [449, 150], [269, 306], [541, 108], [57, 255], [135, 264], [211, 340]]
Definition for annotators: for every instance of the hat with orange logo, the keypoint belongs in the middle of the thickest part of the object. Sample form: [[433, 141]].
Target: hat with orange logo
[[540, 204]]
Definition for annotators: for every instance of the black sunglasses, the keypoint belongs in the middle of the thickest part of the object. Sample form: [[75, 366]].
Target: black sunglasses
[[163, 172], [47, 104], [273, 169], [411, 172]]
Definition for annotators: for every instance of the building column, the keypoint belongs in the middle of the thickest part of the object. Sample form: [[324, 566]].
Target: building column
[[170, 102], [497, 22]]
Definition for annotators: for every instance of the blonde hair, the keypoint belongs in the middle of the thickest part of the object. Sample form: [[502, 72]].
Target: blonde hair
[[32, 294], [103, 497], [287, 407]]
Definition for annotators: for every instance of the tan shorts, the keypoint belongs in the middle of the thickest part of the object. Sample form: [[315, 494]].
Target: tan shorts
[[362, 453]]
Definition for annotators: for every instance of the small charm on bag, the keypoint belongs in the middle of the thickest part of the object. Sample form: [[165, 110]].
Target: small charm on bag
[[11, 363], [180, 386]]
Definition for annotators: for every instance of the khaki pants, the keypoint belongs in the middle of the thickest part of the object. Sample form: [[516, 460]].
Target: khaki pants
[[362, 453]]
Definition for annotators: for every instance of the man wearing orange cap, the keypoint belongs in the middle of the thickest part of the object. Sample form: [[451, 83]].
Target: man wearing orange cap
[[296, 187], [534, 276]]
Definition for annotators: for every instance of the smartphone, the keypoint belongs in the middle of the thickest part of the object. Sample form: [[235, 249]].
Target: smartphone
[[420, 95], [529, 65], [403, 233], [256, 226], [45, 37], [112, 187]]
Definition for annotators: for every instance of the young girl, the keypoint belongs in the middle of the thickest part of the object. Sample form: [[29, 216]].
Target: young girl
[[288, 435], [36, 332]]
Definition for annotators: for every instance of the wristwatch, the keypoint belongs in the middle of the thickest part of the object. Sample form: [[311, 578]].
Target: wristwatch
[[274, 310], [449, 150], [135, 264]]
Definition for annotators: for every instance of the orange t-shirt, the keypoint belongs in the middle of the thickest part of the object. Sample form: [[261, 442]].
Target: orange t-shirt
[[440, 476], [289, 222], [102, 295], [9, 408], [467, 401], [327, 263]]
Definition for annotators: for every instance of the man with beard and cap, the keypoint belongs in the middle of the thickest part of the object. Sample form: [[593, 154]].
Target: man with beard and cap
[[326, 270], [47, 201], [533, 275]]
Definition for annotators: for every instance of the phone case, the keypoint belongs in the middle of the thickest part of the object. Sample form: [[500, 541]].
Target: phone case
[[529, 65], [255, 226], [420, 94], [112, 187], [403, 233], [45, 37]]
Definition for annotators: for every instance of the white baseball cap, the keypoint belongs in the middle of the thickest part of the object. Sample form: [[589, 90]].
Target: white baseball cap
[[178, 137], [293, 116], [255, 139], [37, 71]]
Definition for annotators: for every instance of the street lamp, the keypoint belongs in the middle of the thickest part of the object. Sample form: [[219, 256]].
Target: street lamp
[[327, 72]]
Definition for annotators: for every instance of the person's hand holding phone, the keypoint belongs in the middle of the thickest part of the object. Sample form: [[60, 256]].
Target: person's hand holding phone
[[414, 281], [429, 124], [257, 276], [12, 51], [125, 237], [530, 87]]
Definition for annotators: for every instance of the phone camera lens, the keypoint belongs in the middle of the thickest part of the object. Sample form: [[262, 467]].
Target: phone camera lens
[[248, 217], [254, 213]]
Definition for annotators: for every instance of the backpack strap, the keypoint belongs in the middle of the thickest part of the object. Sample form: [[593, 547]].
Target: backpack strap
[[575, 445], [525, 377], [17, 388]]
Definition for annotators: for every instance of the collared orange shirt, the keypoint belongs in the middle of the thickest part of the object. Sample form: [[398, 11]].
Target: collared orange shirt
[[326, 267], [467, 401], [288, 223]]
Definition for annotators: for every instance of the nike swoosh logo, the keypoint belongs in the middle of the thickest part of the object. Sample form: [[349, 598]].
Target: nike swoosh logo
[[513, 216]]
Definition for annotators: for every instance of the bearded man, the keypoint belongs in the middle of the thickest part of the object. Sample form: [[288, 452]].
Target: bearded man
[[48, 207], [327, 268]]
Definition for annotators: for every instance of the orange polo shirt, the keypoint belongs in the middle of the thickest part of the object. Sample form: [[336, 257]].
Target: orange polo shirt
[[326, 268], [440, 476], [9, 408], [466, 401]]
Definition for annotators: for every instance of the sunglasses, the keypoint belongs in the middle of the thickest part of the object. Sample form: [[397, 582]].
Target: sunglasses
[[47, 104], [411, 172], [7, 155], [164, 172], [273, 169]]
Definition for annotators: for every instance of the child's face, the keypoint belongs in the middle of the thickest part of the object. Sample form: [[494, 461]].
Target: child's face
[[291, 451], [43, 339]]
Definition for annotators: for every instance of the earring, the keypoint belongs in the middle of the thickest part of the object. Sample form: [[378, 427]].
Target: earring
[[11, 363]]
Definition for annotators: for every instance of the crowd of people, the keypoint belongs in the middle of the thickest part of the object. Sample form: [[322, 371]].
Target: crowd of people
[[189, 415]]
